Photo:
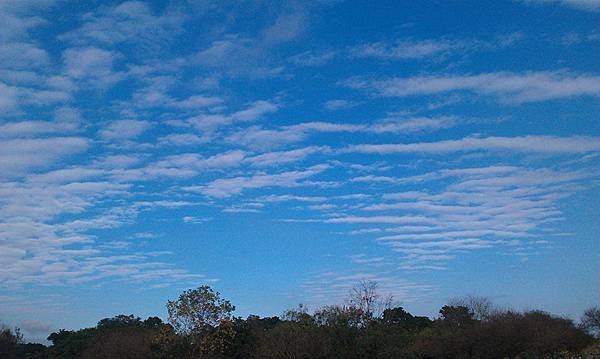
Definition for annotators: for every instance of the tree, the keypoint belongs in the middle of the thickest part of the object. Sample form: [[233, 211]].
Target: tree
[[451, 336], [70, 344], [248, 335], [122, 336], [481, 308], [294, 340], [153, 322], [398, 317], [366, 300], [338, 316], [299, 315], [364, 297], [33, 351], [591, 321], [120, 320], [204, 321], [456, 316], [547, 335], [198, 310], [9, 342], [132, 342]]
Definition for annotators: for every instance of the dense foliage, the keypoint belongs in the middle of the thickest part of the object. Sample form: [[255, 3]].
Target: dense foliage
[[201, 325]]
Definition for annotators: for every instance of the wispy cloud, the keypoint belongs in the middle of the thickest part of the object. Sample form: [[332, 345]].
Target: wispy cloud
[[93, 65], [130, 21], [403, 50], [257, 137], [124, 129], [479, 208], [593, 5], [333, 105], [525, 144], [18, 155], [284, 157], [336, 287], [505, 86], [227, 187]]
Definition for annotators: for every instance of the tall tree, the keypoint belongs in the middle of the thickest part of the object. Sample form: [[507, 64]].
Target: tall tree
[[9, 342], [591, 321], [199, 309]]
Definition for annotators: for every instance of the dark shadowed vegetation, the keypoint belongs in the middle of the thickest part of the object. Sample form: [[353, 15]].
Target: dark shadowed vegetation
[[201, 324]]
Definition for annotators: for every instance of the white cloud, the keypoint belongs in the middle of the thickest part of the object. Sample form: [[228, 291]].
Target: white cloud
[[408, 125], [67, 114], [66, 175], [124, 129], [380, 219], [19, 17], [253, 112], [506, 86], [8, 97], [283, 157], [61, 83], [91, 64], [130, 21], [235, 55], [288, 197], [17, 155], [155, 94], [225, 52], [33, 128], [257, 137], [181, 139], [90, 61], [580, 4], [410, 49], [333, 105], [311, 58], [287, 26], [22, 55], [525, 144], [195, 220], [197, 101], [35, 327], [227, 187], [407, 49], [476, 208], [191, 164], [336, 287], [117, 161]]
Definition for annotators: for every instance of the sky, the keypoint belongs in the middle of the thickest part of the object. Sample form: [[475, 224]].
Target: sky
[[281, 152]]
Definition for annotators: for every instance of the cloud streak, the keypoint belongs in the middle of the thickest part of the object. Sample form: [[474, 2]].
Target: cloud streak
[[551, 145], [227, 187], [507, 87]]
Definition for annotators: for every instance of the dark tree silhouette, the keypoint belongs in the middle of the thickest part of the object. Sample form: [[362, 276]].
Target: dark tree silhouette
[[591, 321], [202, 325]]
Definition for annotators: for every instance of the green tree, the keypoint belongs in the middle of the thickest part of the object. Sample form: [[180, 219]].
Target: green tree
[[293, 340], [456, 316], [205, 322], [198, 310], [481, 308], [400, 318]]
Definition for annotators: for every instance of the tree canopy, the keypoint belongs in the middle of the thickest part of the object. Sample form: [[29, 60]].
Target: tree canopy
[[201, 324]]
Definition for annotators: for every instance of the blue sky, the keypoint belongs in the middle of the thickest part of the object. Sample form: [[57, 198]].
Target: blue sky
[[282, 152]]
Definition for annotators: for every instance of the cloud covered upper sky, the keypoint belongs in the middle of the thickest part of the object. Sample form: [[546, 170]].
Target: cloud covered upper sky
[[283, 152]]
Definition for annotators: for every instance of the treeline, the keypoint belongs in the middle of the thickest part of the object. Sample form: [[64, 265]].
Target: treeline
[[201, 325]]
